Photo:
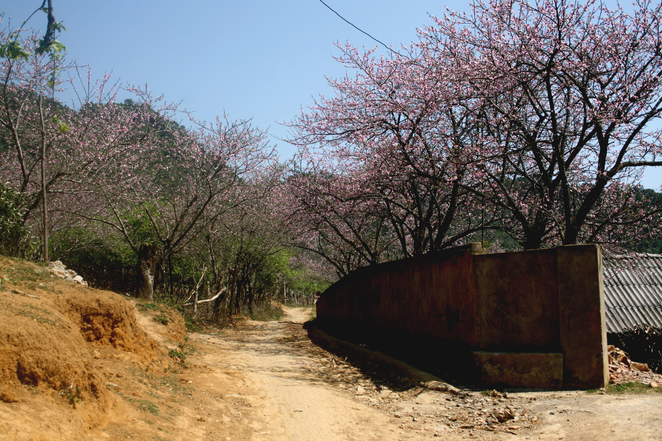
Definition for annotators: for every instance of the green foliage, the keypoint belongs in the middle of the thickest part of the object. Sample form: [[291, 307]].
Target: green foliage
[[13, 231], [631, 388], [14, 50], [103, 260], [173, 353], [192, 325], [267, 312], [148, 406], [164, 320], [62, 126], [151, 306], [55, 47], [36, 314], [25, 275], [163, 298], [73, 396], [652, 246], [140, 229], [299, 278], [652, 243], [180, 354]]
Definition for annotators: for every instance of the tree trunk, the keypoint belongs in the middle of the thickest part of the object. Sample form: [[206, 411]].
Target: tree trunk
[[44, 252], [145, 271]]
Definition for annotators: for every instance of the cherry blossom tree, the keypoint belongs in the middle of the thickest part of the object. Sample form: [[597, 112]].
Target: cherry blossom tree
[[385, 162], [568, 96], [183, 206], [528, 118], [122, 168], [165, 184], [343, 227], [15, 53], [31, 123]]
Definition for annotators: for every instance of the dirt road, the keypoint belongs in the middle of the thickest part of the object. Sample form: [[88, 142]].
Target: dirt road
[[82, 364], [286, 388], [283, 396]]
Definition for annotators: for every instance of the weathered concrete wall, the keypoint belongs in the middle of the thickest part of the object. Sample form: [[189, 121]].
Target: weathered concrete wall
[[541, 306]]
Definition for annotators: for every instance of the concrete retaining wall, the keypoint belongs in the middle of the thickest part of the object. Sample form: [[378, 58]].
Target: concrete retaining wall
[[525, 319]]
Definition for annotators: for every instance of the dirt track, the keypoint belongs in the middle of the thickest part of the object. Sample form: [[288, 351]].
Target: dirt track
[[292, 390], [286, 401]]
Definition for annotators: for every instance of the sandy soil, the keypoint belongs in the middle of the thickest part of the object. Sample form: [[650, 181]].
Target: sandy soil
[[82, 364], [284, 397], [296, 391]]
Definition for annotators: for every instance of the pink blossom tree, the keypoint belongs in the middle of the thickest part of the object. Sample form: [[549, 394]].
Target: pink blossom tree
[[165, 185], [385, 161], [536, 115], [568, 96], [30, 121]]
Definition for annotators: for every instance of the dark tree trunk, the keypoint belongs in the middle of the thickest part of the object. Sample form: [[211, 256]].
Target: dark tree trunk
[[147, 258], [216, 312]]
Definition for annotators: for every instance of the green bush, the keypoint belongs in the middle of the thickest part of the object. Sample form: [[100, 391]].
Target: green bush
[[13, 231], [192, 325], [266, 313], [164, 320]]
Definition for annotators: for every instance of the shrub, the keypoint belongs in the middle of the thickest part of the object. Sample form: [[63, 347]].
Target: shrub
[[13, 231]]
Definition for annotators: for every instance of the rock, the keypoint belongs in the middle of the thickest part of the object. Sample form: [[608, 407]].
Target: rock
[[9, 397], [643, 367], [96, 355], [505, 414], [442, 387], [654, 384], [60, 270], [360, 390]]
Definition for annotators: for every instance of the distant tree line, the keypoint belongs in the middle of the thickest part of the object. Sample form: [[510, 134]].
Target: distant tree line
[[138, 202]]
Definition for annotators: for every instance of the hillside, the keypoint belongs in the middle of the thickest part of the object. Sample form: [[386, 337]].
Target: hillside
[[74, 359]]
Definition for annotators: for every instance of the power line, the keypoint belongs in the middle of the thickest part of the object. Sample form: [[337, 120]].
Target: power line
[[357, 28]]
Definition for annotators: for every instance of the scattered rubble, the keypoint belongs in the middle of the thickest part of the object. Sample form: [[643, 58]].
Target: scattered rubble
[[623, 370], [470, 413], [60, 270], [642, 343], [415, 406]]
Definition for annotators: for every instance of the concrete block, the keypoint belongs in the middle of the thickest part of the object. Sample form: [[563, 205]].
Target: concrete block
[[583, 335], [523, 369]]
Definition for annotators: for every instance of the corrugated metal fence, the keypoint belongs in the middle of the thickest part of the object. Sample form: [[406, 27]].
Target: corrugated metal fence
[[633, 291]]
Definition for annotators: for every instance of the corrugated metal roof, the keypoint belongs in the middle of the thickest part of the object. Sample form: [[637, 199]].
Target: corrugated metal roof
[[633, 291]]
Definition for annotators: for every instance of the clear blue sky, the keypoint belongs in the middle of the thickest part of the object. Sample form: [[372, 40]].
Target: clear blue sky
[[259, 59]]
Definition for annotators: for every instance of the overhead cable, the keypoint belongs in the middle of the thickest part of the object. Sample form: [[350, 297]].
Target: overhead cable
[[357, 28]]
